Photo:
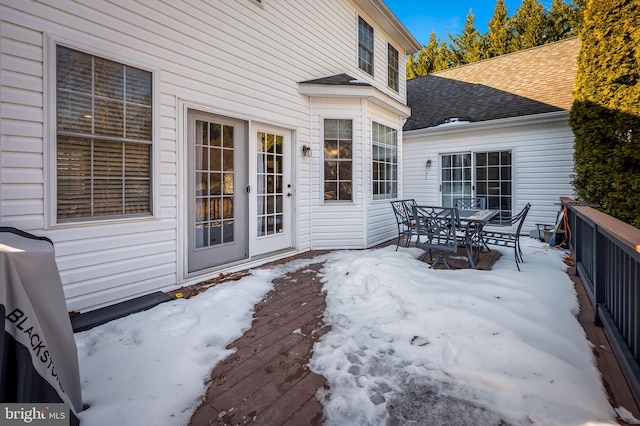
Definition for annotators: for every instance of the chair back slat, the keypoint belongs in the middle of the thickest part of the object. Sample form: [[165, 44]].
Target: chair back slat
[[436, 227], [470, 203], [403, 209]]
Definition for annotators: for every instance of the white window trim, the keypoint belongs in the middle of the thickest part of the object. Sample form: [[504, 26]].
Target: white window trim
[[398, 163], [50, 134], [397, 89], [373, 51]]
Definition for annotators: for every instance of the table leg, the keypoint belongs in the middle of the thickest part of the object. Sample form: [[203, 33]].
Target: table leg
[[469, 229]]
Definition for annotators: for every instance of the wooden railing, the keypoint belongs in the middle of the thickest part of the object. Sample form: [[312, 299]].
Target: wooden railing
[[607, 257]]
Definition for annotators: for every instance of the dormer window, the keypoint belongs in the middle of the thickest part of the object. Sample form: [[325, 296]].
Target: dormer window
[[365, 46]]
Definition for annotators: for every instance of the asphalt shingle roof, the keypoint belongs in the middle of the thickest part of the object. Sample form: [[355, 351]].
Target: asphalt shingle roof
[[337, 80], [532, 81]]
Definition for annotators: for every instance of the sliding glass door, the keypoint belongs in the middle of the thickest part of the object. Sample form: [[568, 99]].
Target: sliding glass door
[[478, 174]]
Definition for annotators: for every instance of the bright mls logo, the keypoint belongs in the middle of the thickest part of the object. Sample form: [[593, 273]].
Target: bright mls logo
[[34, 414]]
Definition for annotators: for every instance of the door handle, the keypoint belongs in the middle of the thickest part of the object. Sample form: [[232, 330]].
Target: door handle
[[289, 194]]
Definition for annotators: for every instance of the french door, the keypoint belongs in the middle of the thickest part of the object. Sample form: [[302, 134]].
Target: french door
[[217, 198], [273, 195]]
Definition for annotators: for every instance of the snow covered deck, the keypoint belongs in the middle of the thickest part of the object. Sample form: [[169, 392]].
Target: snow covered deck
[[361, 337], [268, 379]]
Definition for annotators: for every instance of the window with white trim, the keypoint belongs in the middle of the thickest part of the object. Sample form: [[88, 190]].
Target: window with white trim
[[103, 138], [385, 162], [365, 46], [338, 160], [393, 74]]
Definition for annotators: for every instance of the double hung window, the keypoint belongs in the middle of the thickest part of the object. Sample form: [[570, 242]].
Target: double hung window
[[392, 68], [103, 137], [338, 160], [365, 46], [385, 162]]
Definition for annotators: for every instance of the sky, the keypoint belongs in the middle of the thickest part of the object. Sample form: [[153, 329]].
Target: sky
[[446, 17], [494, 346]]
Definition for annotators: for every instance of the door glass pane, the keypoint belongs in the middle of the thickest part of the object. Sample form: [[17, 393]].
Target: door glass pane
[[493, 181], [455, 177], [227, 183], [270, 179], [227, 136], [214, 190], [215, 183], [216, 134]]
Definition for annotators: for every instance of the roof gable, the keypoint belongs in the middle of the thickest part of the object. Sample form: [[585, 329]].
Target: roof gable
[[532, 81]]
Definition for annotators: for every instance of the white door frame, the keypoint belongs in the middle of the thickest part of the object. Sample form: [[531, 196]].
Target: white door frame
[[260, 245]]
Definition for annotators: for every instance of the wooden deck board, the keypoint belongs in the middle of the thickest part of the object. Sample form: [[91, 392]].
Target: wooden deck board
[[267, 380]]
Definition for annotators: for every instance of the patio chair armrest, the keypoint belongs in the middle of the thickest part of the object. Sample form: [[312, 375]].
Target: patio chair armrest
[[500, 238]]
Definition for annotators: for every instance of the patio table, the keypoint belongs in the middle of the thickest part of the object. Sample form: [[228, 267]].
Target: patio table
[[472, 223]]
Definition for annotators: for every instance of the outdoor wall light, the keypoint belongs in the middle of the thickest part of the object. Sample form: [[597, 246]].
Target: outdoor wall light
[[428, 163], [306, 150]]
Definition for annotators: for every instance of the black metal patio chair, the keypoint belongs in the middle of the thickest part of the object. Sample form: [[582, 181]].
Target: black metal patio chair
[[403, 211], [509, 238], [470, 203], [436, 230], [473, 203]]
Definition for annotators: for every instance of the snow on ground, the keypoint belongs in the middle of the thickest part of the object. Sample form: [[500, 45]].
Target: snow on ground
[[408, 345], [414, 345], [150, 368]]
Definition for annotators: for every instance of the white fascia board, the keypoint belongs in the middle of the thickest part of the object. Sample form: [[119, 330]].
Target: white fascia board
[[367, 92], [548, 117]]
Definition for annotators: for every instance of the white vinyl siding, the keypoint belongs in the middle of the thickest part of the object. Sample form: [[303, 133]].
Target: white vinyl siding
[[334, 224], [542, 160], [226, 57], [21, 123], [365, 222]]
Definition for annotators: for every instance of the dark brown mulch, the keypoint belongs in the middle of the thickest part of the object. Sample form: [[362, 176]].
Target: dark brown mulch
[[195, 289], [484, 262]]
